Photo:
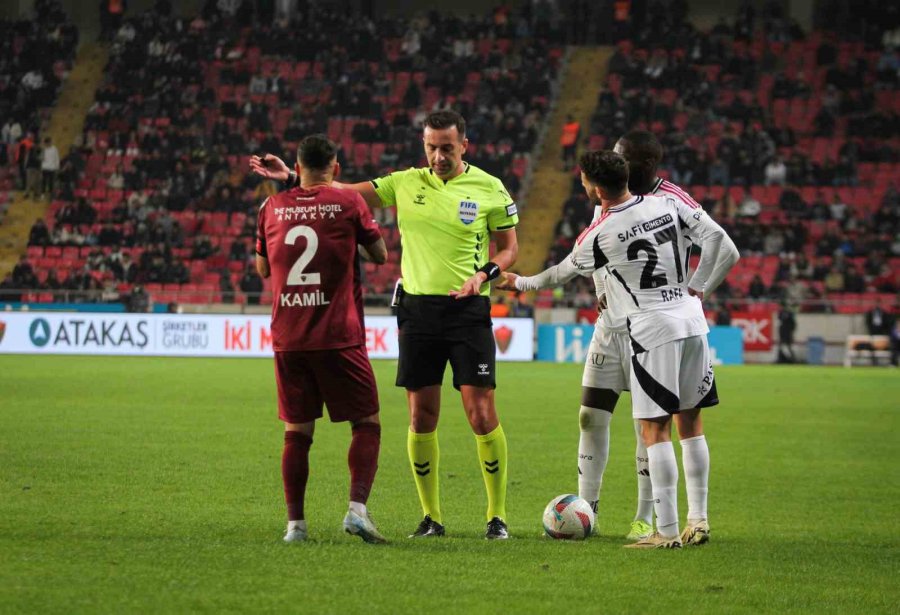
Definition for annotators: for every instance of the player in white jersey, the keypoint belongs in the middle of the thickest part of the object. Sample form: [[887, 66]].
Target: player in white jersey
[[607, 371], [643, 152], [640, 242]]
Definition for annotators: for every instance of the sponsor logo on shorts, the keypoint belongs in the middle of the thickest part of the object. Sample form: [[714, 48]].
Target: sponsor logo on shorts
[[483, 369], [707, 381], [597, 359]]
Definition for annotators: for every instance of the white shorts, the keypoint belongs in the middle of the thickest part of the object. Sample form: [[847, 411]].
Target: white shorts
[[675, 376], [608, 362]]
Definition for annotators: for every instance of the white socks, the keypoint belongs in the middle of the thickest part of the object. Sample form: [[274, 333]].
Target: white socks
[[593, 452], [695, 457], [664, 476], [299, 525], [359, 509], [645, 489]]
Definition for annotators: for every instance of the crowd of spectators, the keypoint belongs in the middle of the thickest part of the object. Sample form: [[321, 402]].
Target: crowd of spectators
[[35, 56], [790, 139], [159, 176]]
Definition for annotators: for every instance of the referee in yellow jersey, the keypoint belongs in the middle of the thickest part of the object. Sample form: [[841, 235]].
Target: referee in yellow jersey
[[448, 213]]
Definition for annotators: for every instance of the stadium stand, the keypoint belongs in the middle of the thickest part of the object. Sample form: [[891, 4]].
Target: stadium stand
[[35, 57], [157, 191], [790, 140]]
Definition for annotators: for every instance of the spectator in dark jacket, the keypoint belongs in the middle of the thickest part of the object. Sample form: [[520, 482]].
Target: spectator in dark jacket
[[251, 286], [39, 234]]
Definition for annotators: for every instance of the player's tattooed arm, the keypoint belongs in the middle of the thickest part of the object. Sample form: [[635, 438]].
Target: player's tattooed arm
[[262, 266], [375, 252]]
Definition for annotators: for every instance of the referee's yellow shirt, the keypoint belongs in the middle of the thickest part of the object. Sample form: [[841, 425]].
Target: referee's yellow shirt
[[445, 226]]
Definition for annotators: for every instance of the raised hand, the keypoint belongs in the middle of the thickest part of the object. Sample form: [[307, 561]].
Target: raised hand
[[270, 167]]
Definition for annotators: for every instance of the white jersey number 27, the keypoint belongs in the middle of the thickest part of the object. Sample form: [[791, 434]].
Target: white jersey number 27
[[650, 279]]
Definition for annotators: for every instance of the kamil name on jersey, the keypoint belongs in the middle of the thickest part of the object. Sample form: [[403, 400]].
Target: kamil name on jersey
[[314, 298], [645, 227]]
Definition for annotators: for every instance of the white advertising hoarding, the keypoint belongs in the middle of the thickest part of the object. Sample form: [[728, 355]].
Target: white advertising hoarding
[[200, 335]]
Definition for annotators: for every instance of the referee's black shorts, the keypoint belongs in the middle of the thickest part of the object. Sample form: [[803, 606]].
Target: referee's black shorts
[[434, 330]]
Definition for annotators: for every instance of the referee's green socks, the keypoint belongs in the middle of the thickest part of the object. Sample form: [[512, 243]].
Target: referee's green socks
[[492, 457], [424, 456]]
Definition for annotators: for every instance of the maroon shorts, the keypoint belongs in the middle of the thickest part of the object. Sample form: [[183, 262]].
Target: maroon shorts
[[341, 379]]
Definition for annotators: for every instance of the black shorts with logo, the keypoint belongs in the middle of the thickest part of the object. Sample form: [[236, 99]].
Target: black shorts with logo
[[434, 330]]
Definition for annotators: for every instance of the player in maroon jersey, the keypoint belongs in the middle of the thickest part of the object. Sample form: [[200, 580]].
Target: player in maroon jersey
[[307, 241]]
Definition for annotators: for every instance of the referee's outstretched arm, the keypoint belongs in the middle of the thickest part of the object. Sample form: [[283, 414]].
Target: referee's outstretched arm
[[366, 190], [273, 167]]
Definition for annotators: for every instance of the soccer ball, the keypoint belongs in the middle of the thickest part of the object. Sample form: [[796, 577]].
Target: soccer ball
[[568, 517]]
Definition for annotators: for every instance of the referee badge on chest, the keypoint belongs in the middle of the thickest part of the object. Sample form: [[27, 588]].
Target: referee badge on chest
[[468, 211]]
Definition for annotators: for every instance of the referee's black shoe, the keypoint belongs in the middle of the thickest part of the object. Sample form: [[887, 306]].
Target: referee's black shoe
[[427, 528], [496, 529]]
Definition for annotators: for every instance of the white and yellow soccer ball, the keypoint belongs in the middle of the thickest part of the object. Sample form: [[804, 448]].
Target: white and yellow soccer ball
[[568, 517]]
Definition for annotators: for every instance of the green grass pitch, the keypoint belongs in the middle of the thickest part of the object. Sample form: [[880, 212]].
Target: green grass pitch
[[153, 485]]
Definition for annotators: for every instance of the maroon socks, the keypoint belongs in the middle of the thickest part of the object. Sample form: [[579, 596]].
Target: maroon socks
[[295, 471], [363, 460]]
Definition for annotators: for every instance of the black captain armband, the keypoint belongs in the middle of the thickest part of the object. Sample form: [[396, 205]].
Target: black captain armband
[[491, 270]]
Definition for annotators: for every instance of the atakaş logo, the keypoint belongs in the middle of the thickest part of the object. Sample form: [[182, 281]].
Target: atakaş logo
[[39, 332]]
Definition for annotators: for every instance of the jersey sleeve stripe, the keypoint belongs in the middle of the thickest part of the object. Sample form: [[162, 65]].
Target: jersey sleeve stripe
[[591, 227], [684, 196]]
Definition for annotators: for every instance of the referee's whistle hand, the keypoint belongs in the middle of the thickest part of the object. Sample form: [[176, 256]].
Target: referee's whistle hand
[[471, 287]]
